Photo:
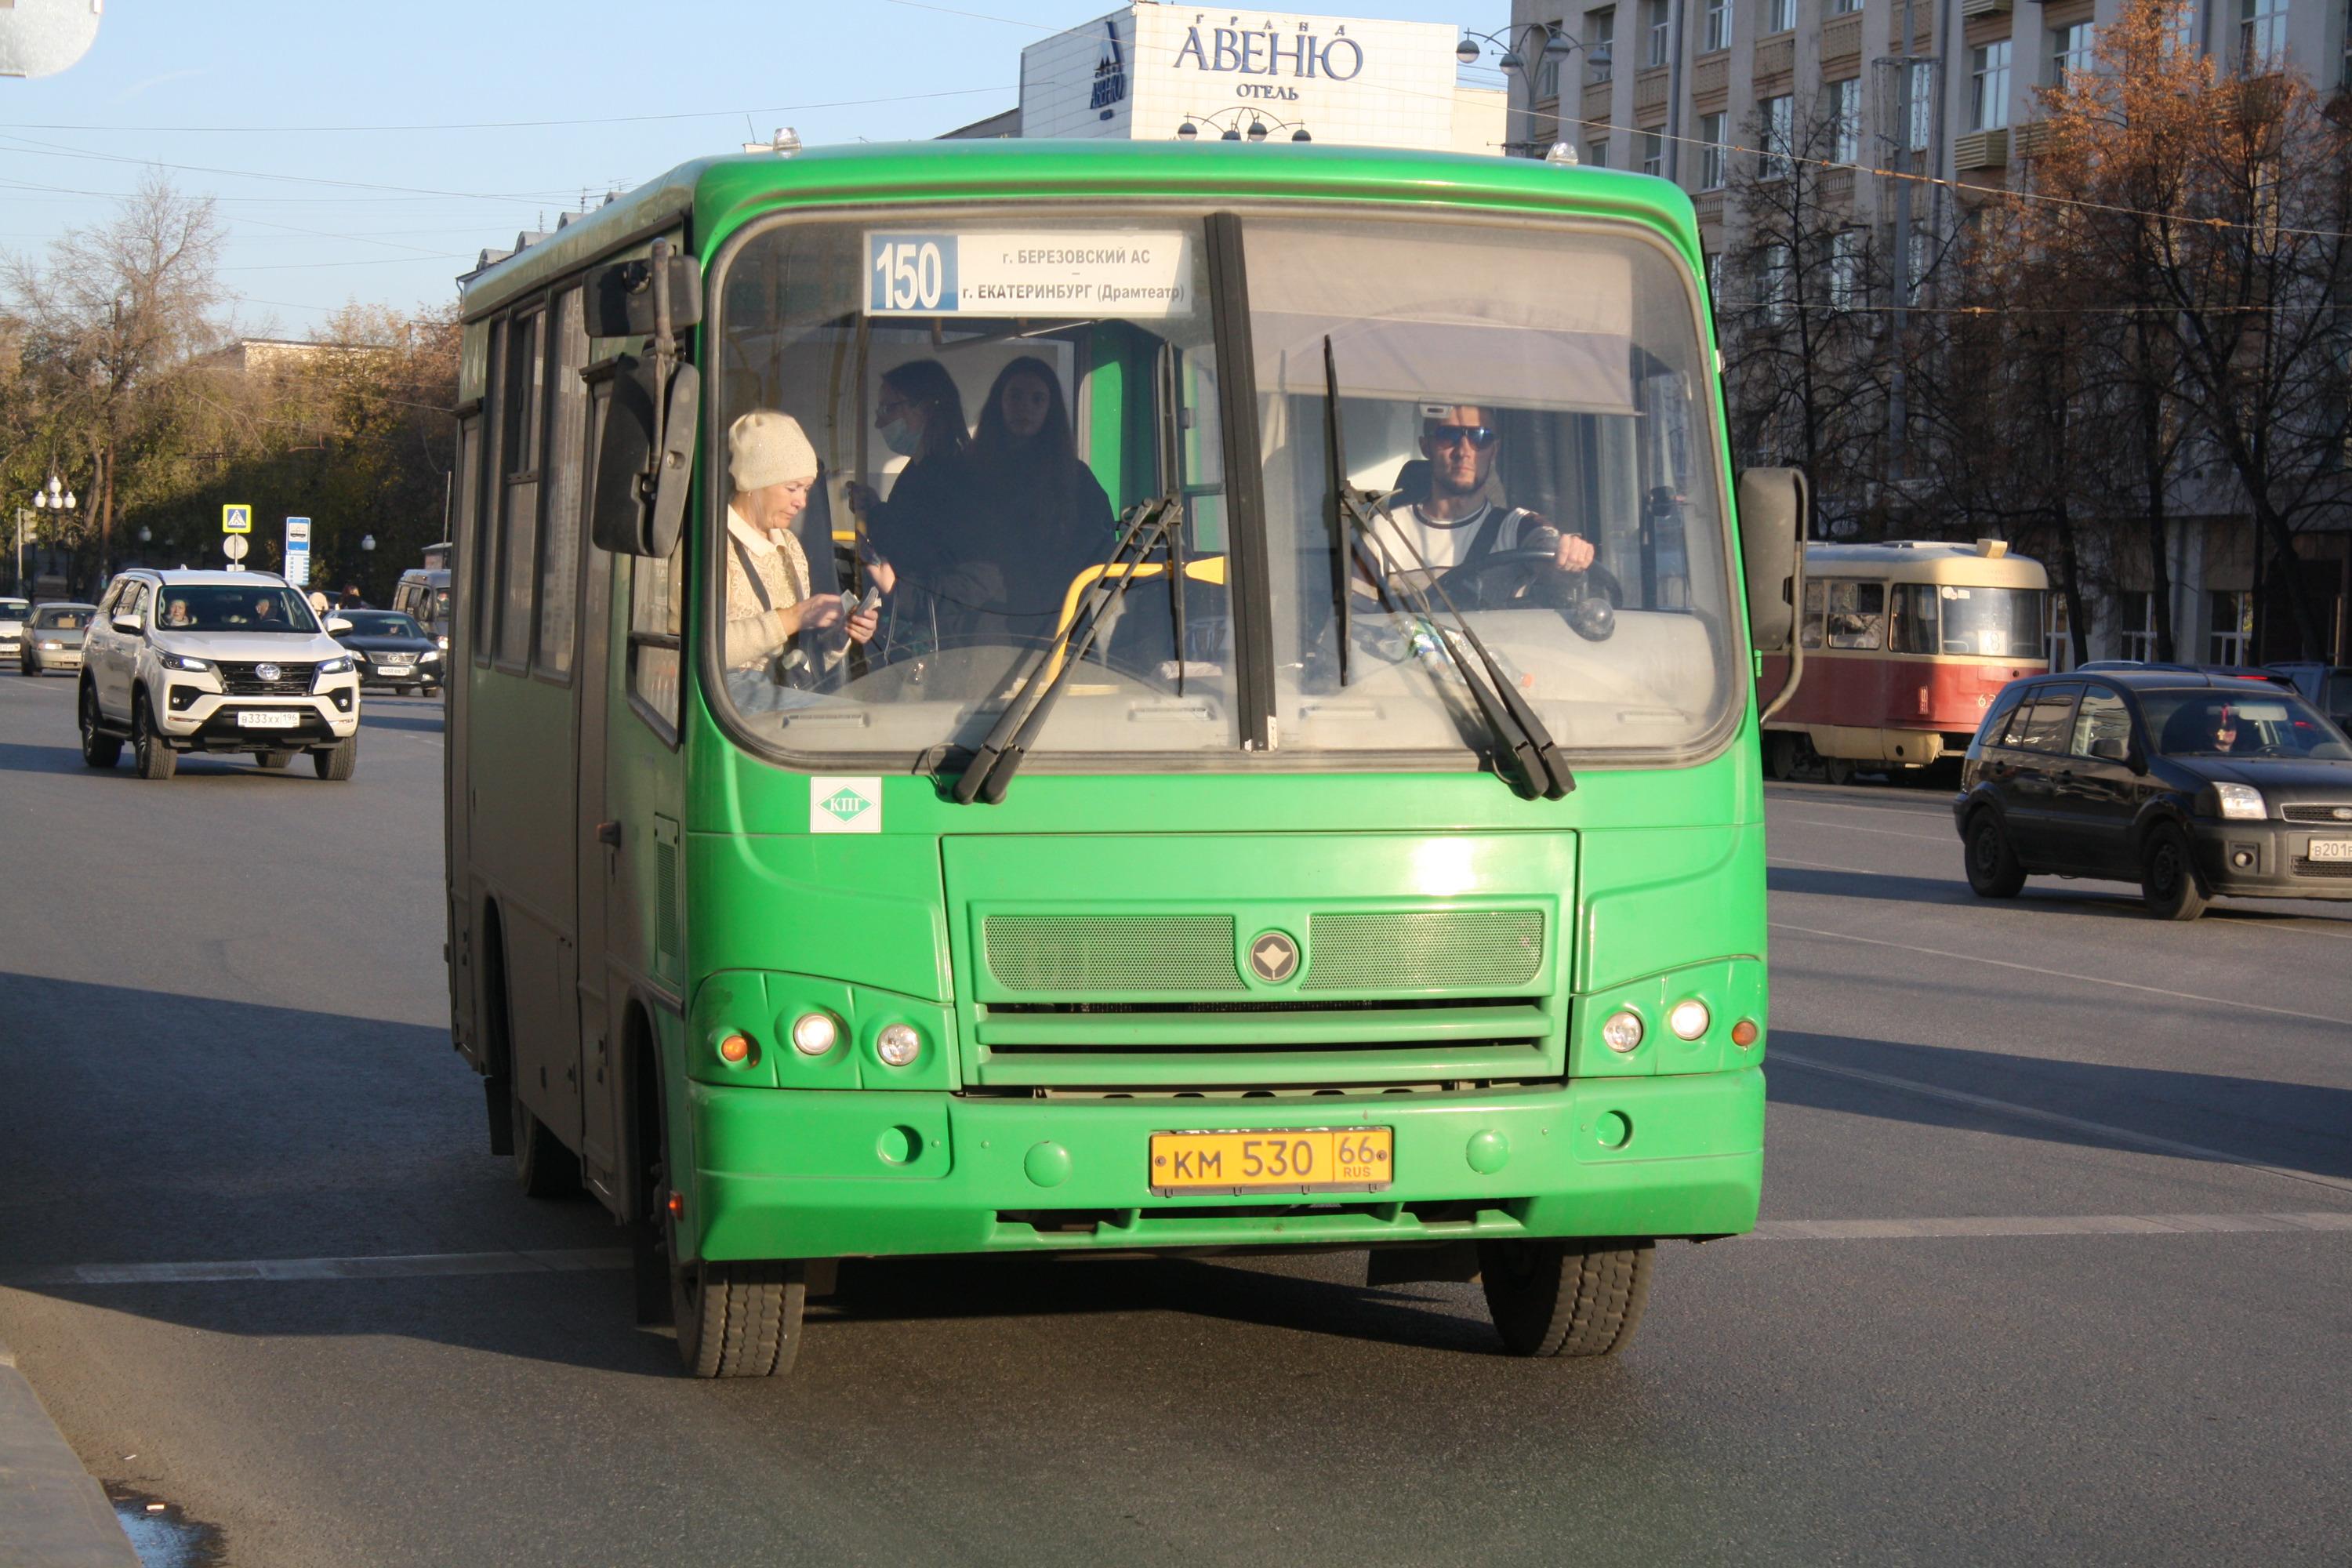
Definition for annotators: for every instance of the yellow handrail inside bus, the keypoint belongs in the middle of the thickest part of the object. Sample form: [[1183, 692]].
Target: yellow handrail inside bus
[[1208, 569]]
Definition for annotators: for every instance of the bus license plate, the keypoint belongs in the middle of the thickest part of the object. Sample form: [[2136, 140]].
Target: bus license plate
[[267, 720], [2331, 849], [1301, 1160]]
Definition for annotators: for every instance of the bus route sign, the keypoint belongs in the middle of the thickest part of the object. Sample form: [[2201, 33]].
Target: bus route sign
[[1103, 272]]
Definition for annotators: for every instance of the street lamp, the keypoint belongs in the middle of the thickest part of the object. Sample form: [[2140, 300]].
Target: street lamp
[[1256, 131], [1542, 41], [52, 497]]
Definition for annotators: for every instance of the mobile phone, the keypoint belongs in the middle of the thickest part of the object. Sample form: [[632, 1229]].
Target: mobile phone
[[852, 608]]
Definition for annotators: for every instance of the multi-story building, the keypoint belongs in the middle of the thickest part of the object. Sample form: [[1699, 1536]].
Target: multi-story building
[[1940, 88]]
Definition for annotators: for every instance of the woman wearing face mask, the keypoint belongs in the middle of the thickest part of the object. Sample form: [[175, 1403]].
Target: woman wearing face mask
[[771, 615], [924, 540], [1049, 517]]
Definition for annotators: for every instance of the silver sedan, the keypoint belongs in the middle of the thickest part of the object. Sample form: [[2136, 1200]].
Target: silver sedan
[[53, 637]]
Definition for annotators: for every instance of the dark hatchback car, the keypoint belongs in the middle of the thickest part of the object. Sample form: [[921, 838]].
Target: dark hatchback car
[[392, 649], [2195, 785]]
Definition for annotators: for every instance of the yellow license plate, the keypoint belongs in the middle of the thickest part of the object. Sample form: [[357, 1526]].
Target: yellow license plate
[[1301, 1160]]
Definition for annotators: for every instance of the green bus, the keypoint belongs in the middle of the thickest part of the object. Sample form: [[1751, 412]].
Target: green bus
[[1035, 697]]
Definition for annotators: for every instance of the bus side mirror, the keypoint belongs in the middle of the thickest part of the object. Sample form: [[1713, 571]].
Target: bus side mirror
[[620, 301], [1774, 504], [638, 503]]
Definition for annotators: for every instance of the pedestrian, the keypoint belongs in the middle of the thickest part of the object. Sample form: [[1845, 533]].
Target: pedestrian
[[350, 599]]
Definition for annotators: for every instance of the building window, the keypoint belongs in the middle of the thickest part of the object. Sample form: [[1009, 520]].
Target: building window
[[1845, 120], [1662, 34], [1989, 86], [2136, 618], [1653, 152], [1596, 154], [1776, 283], [1599, 44], [2058, 635], [2070, 50], [1717, 34], [1847, 256], [1923, 105], [1547, 78], [2233, 627], [1713, 260], [1916, 264], [1780, 118], [1710, 152], [1780, 17], [2262, 33], [1845, 7]]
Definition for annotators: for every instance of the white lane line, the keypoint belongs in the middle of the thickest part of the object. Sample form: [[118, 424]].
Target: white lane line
[[2325, 1221], [2035, 1113], [1951, 839], [2067, 975], [394, 1267]]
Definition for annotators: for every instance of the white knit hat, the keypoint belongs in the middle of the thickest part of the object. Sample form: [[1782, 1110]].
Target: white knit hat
[[765, 447]]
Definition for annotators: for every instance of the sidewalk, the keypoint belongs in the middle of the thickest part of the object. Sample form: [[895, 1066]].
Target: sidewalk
[[52, 1515]]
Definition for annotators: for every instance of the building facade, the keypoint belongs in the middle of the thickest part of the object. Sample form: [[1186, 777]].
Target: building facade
[[1942, 88]]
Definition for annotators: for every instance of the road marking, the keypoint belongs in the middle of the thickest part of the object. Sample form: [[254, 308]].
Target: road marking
[[1951, 839], [2068, 974], [2011, 1108], [394, 1267], [1968, 1226]]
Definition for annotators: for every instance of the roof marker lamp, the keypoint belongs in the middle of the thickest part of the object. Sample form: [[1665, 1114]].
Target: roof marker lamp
[[814, 1033], [898, 1044], [2241, 801], [1623, 1031], [1689, 1019]]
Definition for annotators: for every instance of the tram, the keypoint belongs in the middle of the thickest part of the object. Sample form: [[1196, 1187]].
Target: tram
[[1906, 643]]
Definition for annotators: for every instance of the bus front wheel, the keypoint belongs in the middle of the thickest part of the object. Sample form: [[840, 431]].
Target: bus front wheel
[[1558, 1298], [738, 1319]]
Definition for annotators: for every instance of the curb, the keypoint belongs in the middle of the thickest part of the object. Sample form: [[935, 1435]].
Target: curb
[[52, 1514]]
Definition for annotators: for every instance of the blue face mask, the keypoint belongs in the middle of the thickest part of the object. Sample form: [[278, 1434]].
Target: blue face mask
[[900, 438]]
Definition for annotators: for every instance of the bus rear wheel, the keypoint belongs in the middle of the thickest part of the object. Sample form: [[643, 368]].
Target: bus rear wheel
[[1560, 1297], [739, 1319]]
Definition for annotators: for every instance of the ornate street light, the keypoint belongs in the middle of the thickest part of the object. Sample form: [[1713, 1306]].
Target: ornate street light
[[1257, 129]]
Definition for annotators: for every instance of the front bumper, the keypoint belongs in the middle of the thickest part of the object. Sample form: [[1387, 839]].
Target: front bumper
[[821, 1173], [2281, 864], [200, 720], [49, 659]]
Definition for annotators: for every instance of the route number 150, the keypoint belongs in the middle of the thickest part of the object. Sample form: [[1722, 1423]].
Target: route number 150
[[908, 275]]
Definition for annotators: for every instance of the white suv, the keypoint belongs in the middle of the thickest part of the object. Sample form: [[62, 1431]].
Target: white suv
[[216, 662]]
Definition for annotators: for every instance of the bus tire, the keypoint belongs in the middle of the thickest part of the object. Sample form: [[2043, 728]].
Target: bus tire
[[738, 1319], [544, 1167], [1558, 1298], [2168, 878], [1993, 868]]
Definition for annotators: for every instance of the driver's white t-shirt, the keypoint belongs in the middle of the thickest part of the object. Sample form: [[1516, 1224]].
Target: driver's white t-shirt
[[1443, 544]]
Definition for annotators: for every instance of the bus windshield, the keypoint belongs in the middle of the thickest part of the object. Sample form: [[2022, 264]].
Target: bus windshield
[[949, 420]]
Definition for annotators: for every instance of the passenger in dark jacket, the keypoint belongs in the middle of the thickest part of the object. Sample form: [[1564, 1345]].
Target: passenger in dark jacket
[[1048, 517]]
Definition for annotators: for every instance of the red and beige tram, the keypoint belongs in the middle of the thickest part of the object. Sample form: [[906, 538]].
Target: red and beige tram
[[1906, 643]]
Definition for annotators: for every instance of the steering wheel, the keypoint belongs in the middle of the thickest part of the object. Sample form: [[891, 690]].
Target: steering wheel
[[1473, 584]]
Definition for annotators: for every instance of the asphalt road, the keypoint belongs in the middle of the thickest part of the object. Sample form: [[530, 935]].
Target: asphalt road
[[2059, 1207]]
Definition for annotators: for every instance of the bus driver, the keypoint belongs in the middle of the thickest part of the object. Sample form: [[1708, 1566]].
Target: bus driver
[[1455, 524]]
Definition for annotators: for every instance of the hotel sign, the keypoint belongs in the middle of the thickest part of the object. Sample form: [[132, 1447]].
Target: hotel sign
[[1272, 54]]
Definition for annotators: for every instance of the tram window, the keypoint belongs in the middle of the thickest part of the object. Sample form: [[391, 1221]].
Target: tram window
[[1817, 598], [1915, 617], [2040, 725], [1857, 615], [2102, 721]]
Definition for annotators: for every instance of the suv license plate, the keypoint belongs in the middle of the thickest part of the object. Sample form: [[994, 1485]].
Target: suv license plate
[[1303, 1159], [267, 720], [395, 669], [2331, 849]]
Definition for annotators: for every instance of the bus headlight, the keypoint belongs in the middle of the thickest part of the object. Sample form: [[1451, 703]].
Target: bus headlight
[[814, 1033], [1689, 1019], [1622, 1032], [898, 1044]]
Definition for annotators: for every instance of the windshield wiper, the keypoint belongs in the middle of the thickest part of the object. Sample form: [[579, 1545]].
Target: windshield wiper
[[1000, 754], [1513, 724]]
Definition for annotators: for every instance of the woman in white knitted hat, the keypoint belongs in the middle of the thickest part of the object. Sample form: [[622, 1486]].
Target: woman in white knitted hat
[[771, 613]]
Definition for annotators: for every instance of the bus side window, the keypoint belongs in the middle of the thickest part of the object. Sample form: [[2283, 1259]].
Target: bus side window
[[558, 584], [519, 493], [1816, 599], [655, 620], [1914, 628], [1857, 615]]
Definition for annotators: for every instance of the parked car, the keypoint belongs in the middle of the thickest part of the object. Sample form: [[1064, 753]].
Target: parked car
[[216, 662], [423, 595], [392, 649], [2194, 784], [13, 613], [2326, 687], [53, 638]]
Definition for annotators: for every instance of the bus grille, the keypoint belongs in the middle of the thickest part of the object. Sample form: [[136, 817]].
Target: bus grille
[[1485, 948], [1112, 952]]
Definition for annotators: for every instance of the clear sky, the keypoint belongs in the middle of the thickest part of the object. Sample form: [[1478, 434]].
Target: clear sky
[[370, 152]]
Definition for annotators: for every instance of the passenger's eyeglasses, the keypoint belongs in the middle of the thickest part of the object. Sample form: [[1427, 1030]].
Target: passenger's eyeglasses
[[1480, 436]]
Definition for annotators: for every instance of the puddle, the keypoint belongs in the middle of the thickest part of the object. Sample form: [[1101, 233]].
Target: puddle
[[164, 1536]]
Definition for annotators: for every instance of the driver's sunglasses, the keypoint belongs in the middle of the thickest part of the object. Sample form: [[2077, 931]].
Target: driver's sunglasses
[[1480, 436]]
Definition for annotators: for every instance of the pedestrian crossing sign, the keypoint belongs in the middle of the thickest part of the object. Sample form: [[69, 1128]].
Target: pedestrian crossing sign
[[236, 517]]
